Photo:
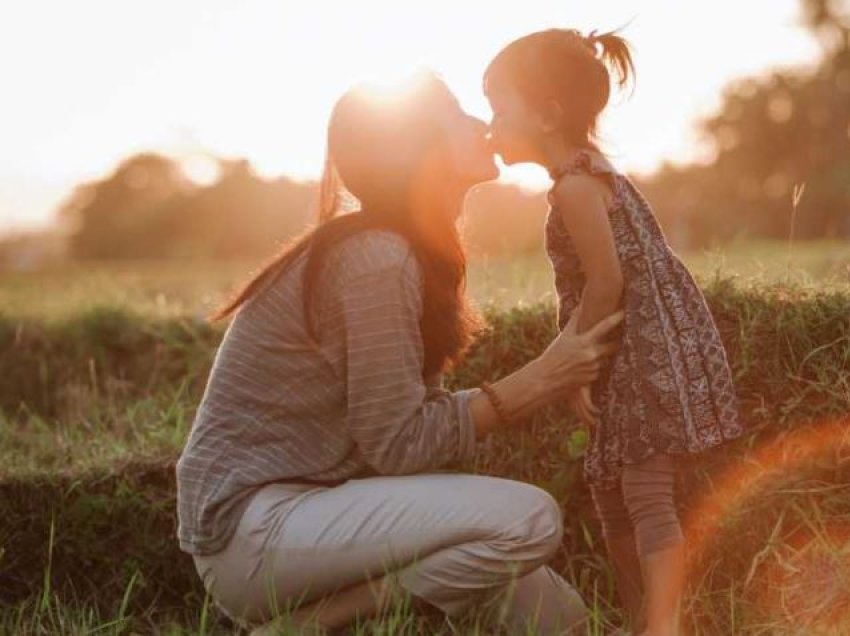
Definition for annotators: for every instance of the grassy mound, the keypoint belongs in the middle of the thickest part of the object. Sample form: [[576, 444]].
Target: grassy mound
[[95, 410]]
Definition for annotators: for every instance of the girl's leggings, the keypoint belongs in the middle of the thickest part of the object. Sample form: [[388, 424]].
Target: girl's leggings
[[643, 504]]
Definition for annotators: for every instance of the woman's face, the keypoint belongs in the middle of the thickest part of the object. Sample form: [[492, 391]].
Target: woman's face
[[471, 157]]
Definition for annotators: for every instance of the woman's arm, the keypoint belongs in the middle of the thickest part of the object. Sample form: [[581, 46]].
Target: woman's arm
[[398, 424], [395, 425]]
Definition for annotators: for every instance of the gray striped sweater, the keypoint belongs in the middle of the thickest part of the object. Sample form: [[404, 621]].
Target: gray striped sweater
[[279, 406]]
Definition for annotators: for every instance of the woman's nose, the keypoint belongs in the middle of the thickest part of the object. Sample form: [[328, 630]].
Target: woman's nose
[[490, 141]]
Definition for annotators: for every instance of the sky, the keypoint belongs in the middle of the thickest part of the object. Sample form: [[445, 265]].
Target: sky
[[87, 83]]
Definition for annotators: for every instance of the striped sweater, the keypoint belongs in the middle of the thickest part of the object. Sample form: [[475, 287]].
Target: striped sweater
[[278, 405]]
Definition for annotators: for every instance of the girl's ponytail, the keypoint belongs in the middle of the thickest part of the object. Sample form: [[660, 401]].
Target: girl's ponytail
[[616, 55]]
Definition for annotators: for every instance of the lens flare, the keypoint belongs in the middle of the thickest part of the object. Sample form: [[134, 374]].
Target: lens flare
[[800, 574], [806, 581], [392, 88]]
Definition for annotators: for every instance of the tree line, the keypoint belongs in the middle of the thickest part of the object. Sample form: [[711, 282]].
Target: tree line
[[781, 168]]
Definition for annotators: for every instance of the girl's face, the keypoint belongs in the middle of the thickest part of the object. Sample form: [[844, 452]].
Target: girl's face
[[515, 129]]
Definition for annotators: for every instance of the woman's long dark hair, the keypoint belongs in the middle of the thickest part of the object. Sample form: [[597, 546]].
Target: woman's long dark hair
[[389, 154]]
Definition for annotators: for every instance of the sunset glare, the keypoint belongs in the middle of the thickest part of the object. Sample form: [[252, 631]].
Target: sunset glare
[[88, 83]]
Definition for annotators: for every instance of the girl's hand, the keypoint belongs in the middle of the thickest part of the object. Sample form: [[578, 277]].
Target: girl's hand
[[582, 404]]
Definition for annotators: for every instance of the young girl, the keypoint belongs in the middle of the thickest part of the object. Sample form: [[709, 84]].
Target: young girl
[[668, 391]]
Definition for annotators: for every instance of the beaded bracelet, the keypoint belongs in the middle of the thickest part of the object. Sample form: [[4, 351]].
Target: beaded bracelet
[[496, 401]]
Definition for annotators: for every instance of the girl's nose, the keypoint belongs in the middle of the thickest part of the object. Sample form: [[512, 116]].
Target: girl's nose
[[481, 125], [486, 129]]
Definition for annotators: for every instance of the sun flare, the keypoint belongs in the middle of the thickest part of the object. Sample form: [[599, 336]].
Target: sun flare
[[394, 86]]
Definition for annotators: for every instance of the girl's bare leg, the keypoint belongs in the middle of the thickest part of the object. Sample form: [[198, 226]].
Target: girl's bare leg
[[627, 573], [664, 581], [620, 541]]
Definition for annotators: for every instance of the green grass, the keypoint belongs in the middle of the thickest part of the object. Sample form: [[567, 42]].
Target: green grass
[[49, 614], [102, 369], [817, 263], [168, 289]]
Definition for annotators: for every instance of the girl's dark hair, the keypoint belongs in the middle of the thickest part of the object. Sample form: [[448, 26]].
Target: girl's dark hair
[[388, 155], [568, 67]]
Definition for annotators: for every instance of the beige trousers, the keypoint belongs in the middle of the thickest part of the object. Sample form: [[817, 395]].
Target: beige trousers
[[455, 541]]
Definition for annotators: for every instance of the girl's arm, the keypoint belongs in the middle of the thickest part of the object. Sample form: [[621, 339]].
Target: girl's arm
[[581, 202]]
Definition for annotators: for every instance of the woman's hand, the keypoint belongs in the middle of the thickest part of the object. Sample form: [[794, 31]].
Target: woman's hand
[[572, 360]]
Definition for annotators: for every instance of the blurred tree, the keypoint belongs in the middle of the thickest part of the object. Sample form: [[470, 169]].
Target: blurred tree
[[772, 134], [148, 208], [120, 216], [830, 21], [241, 214], [502, 219]]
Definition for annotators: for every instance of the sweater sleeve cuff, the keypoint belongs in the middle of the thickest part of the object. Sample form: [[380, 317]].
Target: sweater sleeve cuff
[[466, 425]]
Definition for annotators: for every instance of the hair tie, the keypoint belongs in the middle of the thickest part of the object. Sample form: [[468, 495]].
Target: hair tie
[[591, 40], [580, 42]]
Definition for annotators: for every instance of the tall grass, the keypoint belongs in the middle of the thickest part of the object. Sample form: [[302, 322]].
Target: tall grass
[[95, 406], [51, 614], [165, 289]]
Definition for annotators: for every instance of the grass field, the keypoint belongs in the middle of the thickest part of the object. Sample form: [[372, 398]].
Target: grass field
[[168, 289], [102, 367]]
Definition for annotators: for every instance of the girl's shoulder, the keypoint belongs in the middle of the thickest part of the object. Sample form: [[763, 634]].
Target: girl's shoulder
[[579, 175], [584, 162]]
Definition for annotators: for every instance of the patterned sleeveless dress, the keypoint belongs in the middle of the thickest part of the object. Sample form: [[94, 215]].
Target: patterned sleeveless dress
[[669, 387]]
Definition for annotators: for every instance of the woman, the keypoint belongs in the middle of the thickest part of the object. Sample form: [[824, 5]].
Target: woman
[[308, 481]]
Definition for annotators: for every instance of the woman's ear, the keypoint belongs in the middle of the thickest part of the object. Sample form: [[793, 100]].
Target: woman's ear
[[551, 116]]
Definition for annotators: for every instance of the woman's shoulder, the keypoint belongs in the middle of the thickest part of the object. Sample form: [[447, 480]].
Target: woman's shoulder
[[373, 251]]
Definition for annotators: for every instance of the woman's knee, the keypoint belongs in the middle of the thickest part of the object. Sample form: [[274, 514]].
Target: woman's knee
[[540, 601], [222, 595], [539, 523]]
